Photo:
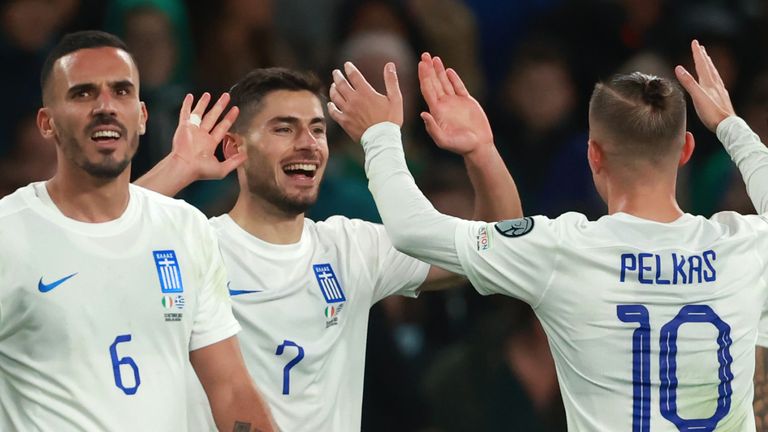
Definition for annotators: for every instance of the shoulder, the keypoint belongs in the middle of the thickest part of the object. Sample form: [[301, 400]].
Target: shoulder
[[341, 225], [153, 202], [733, 223], [16, 202]]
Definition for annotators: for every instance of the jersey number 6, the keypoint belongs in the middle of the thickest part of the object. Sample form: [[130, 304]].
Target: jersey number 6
[[641, 366], [124, 361]]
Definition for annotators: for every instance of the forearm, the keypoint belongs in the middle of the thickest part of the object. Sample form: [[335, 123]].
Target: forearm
[[168, 177], [761, 388], [496, 196], [413, 224], [750, 156], [241, 409]]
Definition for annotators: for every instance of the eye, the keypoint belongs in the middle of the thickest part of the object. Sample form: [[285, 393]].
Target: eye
[[82, 94], [318, 131], [283, 129]]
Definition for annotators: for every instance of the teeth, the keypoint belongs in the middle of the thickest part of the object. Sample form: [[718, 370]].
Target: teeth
[[106, 134], [300, 166]]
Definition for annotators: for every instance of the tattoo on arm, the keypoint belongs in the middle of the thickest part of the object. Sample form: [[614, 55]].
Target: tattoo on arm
[[761, 388], [242, 427]]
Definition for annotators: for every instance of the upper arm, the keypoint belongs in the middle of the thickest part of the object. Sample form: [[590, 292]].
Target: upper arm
[[761, 388], [515, 257]]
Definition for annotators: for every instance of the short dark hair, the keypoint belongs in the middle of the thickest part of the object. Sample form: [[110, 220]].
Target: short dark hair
[[74, 42], [249, 92], [643, 115]]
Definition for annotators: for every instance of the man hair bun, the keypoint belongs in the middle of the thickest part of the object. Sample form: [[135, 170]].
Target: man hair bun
[[655, 92]]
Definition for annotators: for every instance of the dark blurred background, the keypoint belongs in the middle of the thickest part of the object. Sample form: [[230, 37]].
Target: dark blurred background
[[450, 361]]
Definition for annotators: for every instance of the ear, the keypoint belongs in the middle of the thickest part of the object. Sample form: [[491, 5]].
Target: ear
[[143, 119], [231, 145], [595, 156], [687, 151], [45, 123]]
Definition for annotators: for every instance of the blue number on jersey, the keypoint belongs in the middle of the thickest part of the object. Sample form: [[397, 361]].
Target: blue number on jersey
[[641, 358], [117, 362], [291, 364]]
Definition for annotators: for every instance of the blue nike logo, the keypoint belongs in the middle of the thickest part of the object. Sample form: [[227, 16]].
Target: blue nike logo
[[239, 292], [44, 288]]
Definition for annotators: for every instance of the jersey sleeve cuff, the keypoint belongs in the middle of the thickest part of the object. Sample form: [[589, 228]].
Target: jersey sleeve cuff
[[211, 337]]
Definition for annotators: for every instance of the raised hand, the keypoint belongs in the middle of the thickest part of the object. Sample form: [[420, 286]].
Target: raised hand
[[199, 133], [710, 98], [455, 120], [355, 105]]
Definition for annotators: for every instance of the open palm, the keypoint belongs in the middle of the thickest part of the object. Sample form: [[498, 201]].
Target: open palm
[[455, 120]]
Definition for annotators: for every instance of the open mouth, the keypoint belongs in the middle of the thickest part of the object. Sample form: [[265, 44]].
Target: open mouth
[[103, 136], [301, 170]]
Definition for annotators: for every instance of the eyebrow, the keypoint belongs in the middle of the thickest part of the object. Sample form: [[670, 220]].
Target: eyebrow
[[295, 120], [122, 84]]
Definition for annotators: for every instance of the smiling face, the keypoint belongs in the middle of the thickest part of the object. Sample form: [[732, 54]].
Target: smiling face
[[287, 150], [92, 111]]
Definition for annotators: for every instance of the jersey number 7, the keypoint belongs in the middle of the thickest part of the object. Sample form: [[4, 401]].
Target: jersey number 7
[[641, 366]]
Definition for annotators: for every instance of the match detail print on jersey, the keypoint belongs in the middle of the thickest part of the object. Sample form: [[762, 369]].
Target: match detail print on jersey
[[329, 284], [515, 227]]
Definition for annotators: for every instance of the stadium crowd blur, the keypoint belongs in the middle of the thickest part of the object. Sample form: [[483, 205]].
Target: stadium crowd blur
[[450, 361]]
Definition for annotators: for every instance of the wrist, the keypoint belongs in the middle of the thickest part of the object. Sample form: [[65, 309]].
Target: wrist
[[180, 168], [481, 154]]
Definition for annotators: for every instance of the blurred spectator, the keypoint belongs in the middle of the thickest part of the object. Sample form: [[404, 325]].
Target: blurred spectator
[[30, 158], [234, 37], [501, 377], [27, 30], [539, 136]]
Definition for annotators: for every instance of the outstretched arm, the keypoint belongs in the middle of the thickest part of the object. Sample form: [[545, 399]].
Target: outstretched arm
[[457, 123], [714, 108], [413, 224], [194, 143]]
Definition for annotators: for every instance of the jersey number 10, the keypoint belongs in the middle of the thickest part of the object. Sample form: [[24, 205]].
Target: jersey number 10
[[641, 366]]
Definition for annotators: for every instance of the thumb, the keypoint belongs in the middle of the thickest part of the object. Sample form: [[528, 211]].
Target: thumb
[[433, 129]]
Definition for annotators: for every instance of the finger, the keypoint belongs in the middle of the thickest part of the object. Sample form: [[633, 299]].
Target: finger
[[202, 104], [713, 72], [342, 85], [224, 125], [357, 79], [457, 83], [186, 108], [391, 83], [426, 77], [445, 83], [231, 163], [433, 129], [336, 97], [210, 118], [690, 85], [335, 113], [700, 62]]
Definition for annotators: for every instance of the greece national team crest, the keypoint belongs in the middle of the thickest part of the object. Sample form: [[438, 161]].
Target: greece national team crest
[[168, 271], [329, 284], [515, 227]]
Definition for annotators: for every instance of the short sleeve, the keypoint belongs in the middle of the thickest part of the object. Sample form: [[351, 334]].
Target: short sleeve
[[514, 257], [392, 272], [214, 320]]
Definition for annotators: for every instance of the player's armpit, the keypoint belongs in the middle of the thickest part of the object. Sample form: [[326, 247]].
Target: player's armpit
[[235, 401], [439, 279], [761, 389]]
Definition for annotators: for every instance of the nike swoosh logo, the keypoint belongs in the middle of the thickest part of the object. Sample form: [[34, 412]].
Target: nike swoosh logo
[[44, 288], [240, 292]]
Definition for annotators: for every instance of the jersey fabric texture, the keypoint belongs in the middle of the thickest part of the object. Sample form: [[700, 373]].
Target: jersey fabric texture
[[97, 320], [652, 325], [304, 311]]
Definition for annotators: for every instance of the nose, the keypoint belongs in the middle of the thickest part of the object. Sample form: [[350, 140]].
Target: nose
[[306, 140], [105, 104]]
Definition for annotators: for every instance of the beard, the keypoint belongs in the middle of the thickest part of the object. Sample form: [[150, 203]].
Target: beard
[[107, 167], [290, 205]]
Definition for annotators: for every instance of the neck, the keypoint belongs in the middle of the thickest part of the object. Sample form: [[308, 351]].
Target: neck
[[266, 222], [85, 198], [645, 199]]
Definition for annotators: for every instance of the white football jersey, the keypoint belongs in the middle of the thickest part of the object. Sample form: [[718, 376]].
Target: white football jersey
[[304, 311], [97, 320], [652, 326]]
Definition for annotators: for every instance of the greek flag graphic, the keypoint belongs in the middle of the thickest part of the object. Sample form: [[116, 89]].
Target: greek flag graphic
[[168, 271], [329, 285]]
